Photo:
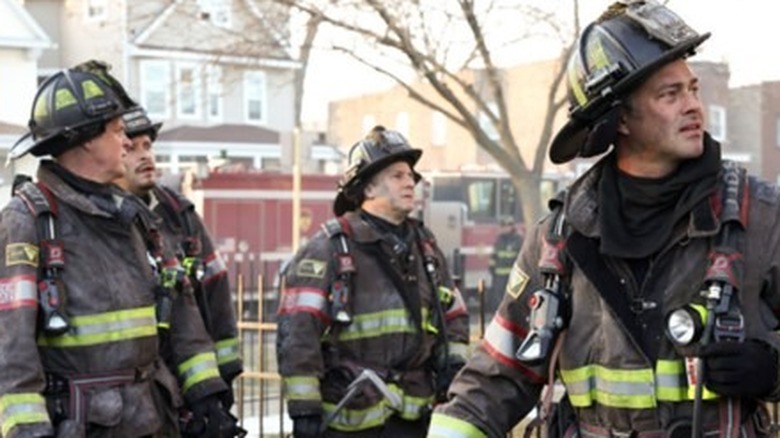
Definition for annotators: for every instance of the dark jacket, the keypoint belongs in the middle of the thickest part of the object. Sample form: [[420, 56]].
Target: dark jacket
[[111, 348], [611, 381], [187, 235], [391, 330]]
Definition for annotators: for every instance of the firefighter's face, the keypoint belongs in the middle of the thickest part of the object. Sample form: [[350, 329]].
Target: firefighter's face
[[141, 171], [390, 194], [107, 151], [663, 123]]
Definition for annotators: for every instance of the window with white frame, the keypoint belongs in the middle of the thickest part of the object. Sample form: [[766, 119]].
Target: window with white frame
[[717, 122], [217, 11], [155, 87], [368, 123], [438, 129], [96, 9], [187, 91], [402, 123], [255, 96], [214, 92], [486, 124]]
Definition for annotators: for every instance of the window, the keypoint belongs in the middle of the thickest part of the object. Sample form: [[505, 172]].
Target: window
[[214, 92], [96, 9], [438, 129], [486, 124], [155, 83], [217, 11], [717, 122], [187, 91], [255, 96], [368, 122], [402, 123], [481, 195]]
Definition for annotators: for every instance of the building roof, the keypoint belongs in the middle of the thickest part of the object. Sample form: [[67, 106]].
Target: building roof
[[19, 29], [182, 26], [226, 133]]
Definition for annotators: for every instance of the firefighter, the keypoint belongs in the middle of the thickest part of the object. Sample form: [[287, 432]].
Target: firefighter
[[662, 261], [505, 251], [84, 307], [370, 294], [184, 230]]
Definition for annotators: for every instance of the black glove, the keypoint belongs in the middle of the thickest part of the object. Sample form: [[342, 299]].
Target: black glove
[[740, 369], [210, 420], [307, 426], [445, 377]]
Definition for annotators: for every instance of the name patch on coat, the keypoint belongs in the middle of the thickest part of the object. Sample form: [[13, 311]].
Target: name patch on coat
[[517, 282], [311, 268], [21, 254]]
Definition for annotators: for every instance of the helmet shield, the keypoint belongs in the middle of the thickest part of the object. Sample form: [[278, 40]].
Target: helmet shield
[[71, 107], [379, 149], [137, 123], [615, 54]]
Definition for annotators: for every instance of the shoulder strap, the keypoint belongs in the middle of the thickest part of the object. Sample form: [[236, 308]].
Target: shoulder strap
[[338, 229], [42, 205], [179, 209]]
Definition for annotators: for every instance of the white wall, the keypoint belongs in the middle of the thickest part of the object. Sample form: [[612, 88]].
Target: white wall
[[17, 89]]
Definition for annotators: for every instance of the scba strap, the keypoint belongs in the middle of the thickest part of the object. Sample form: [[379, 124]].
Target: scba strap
[[337, 230], [51, 290]]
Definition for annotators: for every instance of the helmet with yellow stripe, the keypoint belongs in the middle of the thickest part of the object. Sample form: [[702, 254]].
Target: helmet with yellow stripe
[[613, 56], [72, 107]]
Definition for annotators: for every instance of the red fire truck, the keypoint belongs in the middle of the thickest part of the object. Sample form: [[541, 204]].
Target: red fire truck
[[250, 216]]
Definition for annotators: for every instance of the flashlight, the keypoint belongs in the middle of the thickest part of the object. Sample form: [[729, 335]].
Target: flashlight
[[685, 325]]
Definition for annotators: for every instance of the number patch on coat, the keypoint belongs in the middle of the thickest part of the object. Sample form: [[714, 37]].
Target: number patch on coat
[[311, 268]]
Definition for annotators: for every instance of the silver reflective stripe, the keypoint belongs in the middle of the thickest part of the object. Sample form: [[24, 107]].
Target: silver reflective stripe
[[214, 266], [501, 340], [18, 291], [310, 298]]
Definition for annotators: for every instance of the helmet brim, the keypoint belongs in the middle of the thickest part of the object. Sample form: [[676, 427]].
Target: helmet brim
[[343, 203], [567, 143]]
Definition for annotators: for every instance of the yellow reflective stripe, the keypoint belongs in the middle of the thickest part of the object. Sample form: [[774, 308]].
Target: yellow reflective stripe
[[23, 408], [634, 389], [198, 368], [302, 388], [503, 271], [227, 351], [351, 420], [670, 380], [370, 325], [103, 328], [444, 426]]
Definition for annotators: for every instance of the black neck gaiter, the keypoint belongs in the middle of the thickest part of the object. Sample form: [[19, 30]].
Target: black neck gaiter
[[637, 215]]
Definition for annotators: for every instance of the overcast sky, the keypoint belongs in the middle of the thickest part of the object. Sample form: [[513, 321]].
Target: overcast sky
[[746, 33]]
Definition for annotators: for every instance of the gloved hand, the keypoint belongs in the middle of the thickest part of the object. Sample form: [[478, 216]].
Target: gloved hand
[[307, 426], [444, 378], [740, 369], [209, 420]]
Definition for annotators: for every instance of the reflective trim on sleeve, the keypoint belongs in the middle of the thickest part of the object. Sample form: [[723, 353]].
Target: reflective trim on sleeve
[[502, 339], [23, 408], [305, 299], [214, 267], [227, 351], [457, 308], [371, 325], [104, 328], [302, 388], [352, 420], [444, 426], [459, 349], [197, 369], [18, 291]]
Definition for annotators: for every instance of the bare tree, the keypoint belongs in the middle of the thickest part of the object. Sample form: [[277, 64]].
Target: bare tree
[[452, 47]]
